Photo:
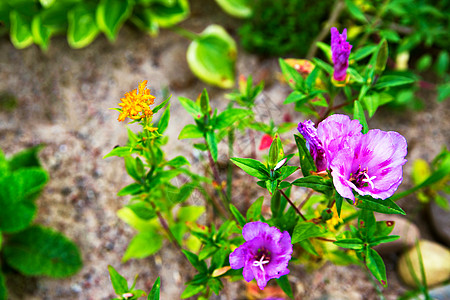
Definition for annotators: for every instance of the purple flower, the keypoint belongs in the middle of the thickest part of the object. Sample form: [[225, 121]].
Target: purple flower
[[313, 143], [264, 255], [372, 166], [340, 51]]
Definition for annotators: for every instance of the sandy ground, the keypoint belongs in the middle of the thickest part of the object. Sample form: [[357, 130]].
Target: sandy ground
[[64, 98]]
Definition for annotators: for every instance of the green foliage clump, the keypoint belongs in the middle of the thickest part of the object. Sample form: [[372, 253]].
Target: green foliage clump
[[283, 27]]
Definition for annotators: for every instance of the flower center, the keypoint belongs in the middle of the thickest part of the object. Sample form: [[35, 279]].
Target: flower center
[[362, 179], [261, 260]]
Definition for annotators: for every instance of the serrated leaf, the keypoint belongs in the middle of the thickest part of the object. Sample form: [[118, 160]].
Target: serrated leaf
[[119, 283], [251, 167], [82, 27], [306, 230], [111, 14], [38, 251], [212, 56], [143, 245]]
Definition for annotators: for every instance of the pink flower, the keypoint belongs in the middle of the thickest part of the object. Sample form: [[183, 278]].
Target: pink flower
[[340, 51]]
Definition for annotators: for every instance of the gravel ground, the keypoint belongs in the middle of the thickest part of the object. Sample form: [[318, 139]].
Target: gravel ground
[[64, 98]]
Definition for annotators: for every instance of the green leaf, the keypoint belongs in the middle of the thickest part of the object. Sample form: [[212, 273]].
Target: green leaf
[[200, 265], [384, 228], [442, 62], [155, 291], [130, 189], [354, 10], [358, 113], [111, 14], [142, 209], [352, 243], [254, 211], [383, 239], [371, 103], [376, 266], [129, 217], [236, 8], [284, 284], [230, 116], [275, 204], [82, 27], [366, 224], [237, 215], [130, 166], [190, 213], [317, 183], [191, 107], [161, 105], [306, 160], [17, 192], [308, 247], [212, 56], [382, 57], [143, 245], [392, 80], [386, 206], [164, 121], [41, 34], [190, 131], [25, 159], [119, 151], [191, 290], [38, 251], [339, 199], [3, 290], [20, 34], [251, 167], [362, 52], [119, 283], [323, 65], [212, 144], [294, 79], [306, 230], [169, 14], [326, 49], [274, 152], [178, 162]]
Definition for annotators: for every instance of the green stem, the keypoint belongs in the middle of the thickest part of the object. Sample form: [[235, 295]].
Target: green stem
[[230, 165], [184, 33]]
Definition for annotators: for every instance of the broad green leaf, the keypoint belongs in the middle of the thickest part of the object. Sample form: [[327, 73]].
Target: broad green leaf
[[142, 210], [358, 113], [163, 123], [442, 62], [130, 166], [284, 284], [190, 131], [230, 116], [119, 283], [352, 243], [339, 201], [236, 8], [317, 183], [237, 215], [296, 96], [143, 245], [383, 239], [178, 162], [211, 141], [306, 230], [323, 65], [212, 55], [215, 285], [308, 247], [371, 103], [17, 192], [154, 293], [82, 27], [306, 160], [362, 52], [254, 211], [41, 33], [276, 204], [20, 33], [392, 80], [130, 189], [111, 14], [376, 266], [205, 107], [200, 265], [191, 107], [119, 151], [191, 290], [190, 213], [25, 159], [386, 206], [366, 224], [169, 14], [3, 290], [38, 251], [384, 228], [355, 11], [251, 167], [292, 76], [129, 217]]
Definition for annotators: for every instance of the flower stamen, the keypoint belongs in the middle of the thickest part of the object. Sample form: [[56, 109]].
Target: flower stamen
[[369, 180], [259, 263]]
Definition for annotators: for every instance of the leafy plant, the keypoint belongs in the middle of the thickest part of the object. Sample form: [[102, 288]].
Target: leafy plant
[[33, 250], [124, 292]]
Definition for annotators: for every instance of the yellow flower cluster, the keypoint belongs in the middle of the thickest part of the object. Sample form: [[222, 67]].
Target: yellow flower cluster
[[136, 103]]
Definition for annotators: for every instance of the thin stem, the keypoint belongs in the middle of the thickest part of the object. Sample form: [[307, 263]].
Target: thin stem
[[308, 196], [230, 165], [166, 228], [184, 33], [293, 205], [213, 167], [324, 239], [335, 12]]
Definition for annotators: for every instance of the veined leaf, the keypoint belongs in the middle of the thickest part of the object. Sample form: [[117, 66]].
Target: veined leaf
[[251, 167], [111, 14]]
